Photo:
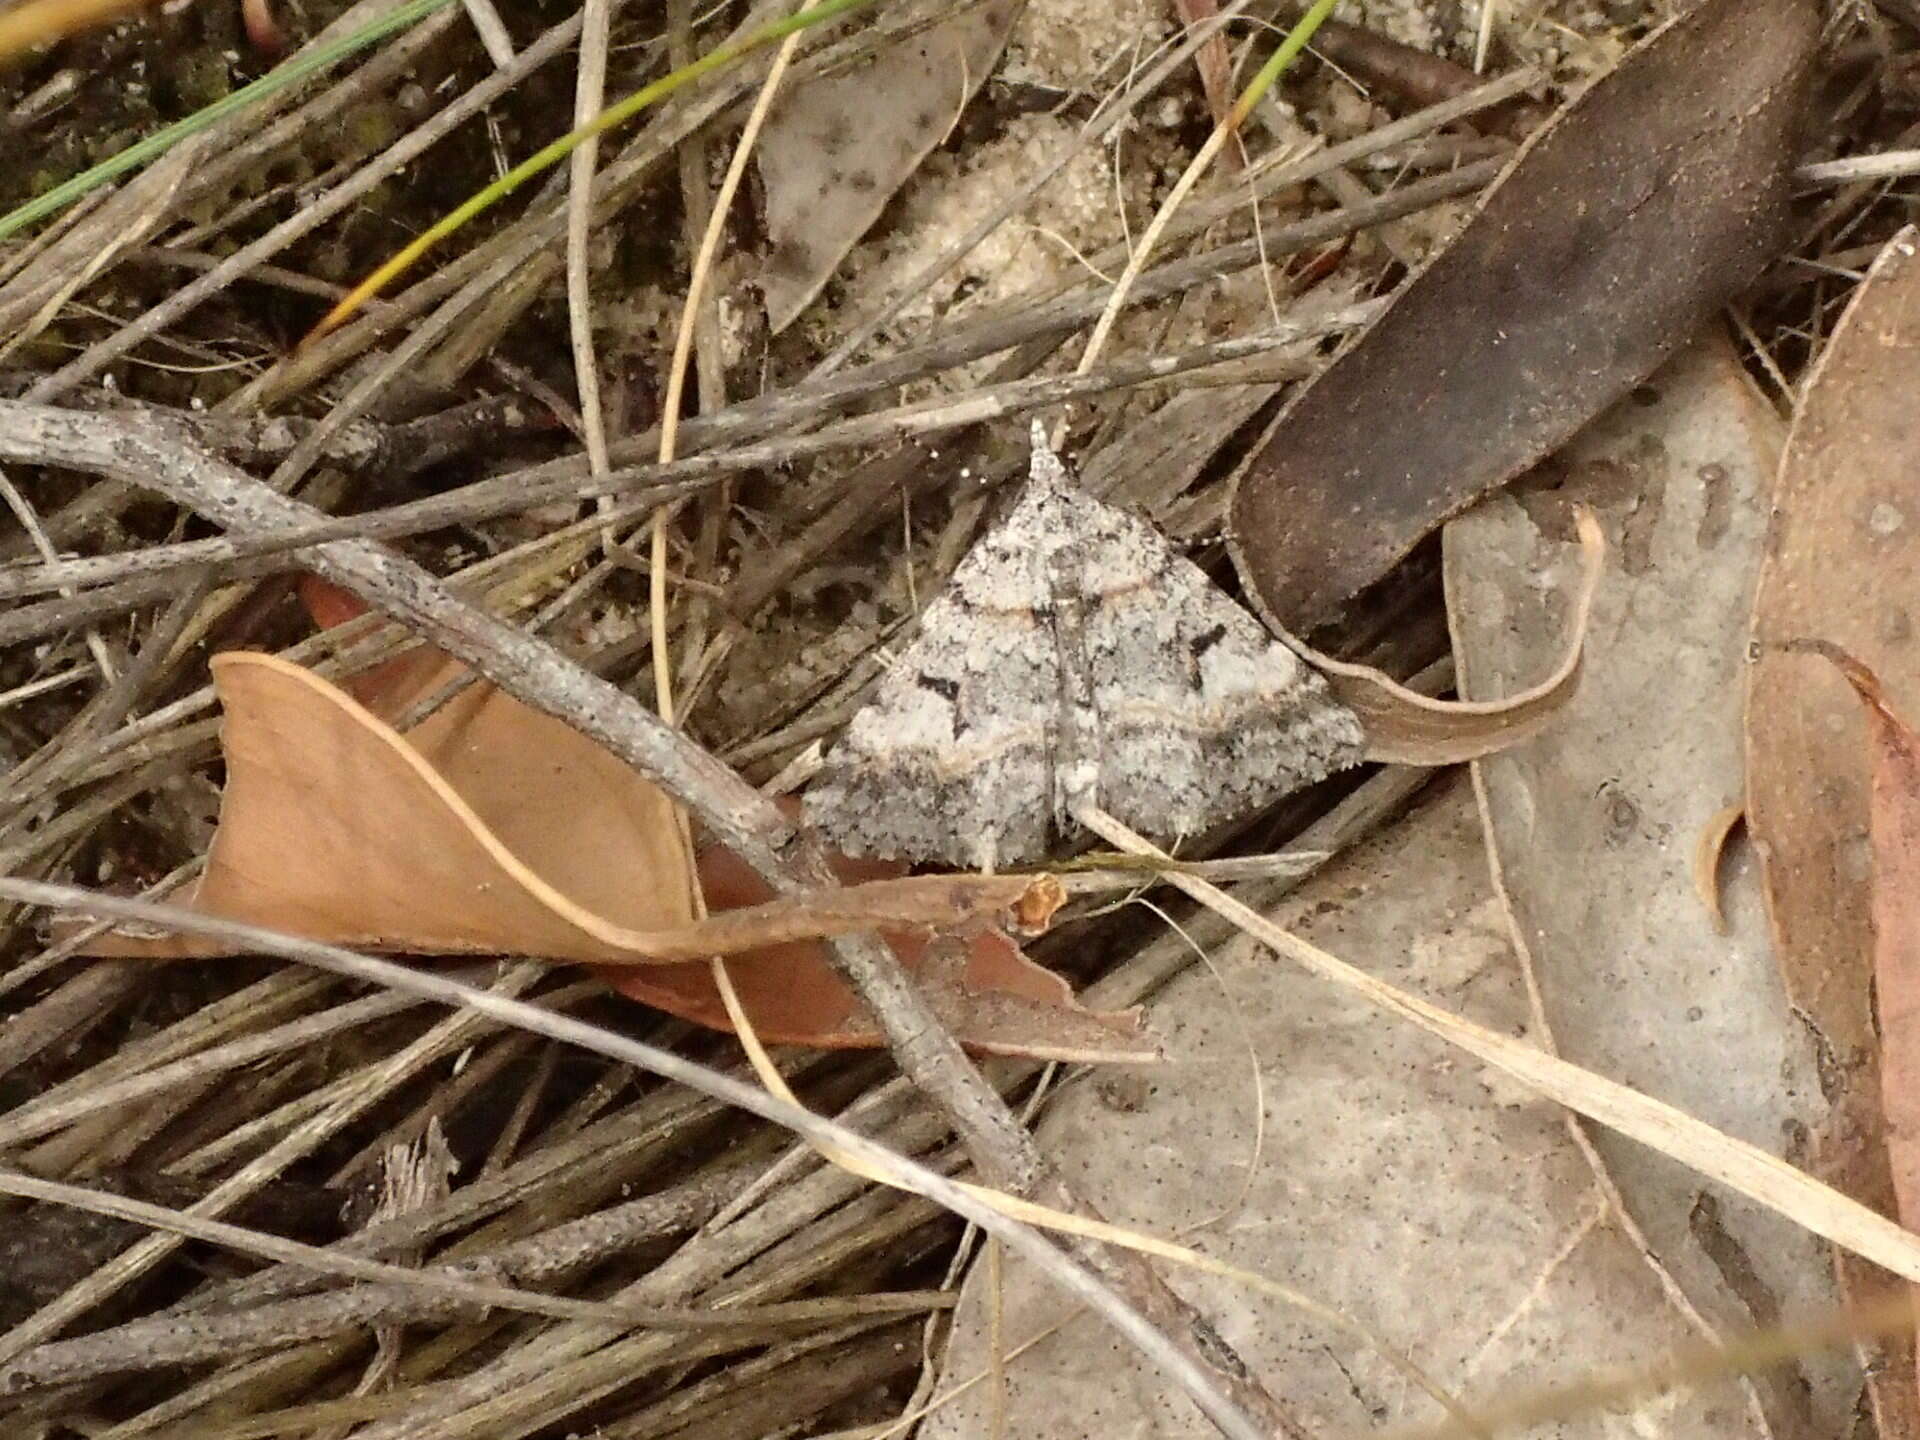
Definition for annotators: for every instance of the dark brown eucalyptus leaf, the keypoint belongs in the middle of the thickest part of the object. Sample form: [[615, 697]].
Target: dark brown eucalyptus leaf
[[1621, 226]]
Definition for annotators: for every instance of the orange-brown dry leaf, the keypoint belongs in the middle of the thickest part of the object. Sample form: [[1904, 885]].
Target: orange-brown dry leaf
[[1841, 564], [334, 827], [1896, 950], [988, 992], [36, 23], [1894, 807], [493, 828]]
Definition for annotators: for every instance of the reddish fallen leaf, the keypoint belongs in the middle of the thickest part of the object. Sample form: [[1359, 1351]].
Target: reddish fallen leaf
[[1841, 562], [1894, 811], [493, 828], [984, 988]]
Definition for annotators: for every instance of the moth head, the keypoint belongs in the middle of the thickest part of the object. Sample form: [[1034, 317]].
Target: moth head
[[1047, 467]]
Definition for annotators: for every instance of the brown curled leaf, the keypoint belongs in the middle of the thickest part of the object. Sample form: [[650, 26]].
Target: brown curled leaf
[[1842, 563], [1405, 727], [1708, 846], [491, 828], [1619, 228], [1894, 806]]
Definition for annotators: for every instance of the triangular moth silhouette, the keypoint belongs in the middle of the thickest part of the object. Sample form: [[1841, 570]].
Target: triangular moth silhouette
[[1074, 657]]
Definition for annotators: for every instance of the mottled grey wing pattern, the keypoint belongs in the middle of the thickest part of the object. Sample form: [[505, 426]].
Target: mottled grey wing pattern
[[1200, 714], [1204, 715], [952, 758]]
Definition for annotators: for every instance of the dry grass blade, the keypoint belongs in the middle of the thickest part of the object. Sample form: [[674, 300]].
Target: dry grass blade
[[688, 1270], [826, 1133], [1749, 1354], [1746, 1168]]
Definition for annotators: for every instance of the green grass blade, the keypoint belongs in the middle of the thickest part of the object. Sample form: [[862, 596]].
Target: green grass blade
[[155, 145]]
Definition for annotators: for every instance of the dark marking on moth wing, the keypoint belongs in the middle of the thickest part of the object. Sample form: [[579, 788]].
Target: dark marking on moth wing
[[948, 690], [1198, 646]]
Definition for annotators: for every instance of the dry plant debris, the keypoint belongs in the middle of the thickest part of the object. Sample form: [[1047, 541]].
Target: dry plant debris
[[663, 1266], [491, 828], [1839, 568], [1544, 311], [837, 149], [1591, 829], [1894, 810]]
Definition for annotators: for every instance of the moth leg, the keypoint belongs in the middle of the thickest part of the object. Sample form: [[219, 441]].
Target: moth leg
[[1076, 749]]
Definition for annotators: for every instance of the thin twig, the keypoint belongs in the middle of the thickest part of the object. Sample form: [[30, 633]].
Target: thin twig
[[30, 522], [1888, 165], [399, 1294], [536, 674], [1071, 1278], [440, 1283], [492, 31], [43, 1117], [142, 573], [60, 756], [589, 96]]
